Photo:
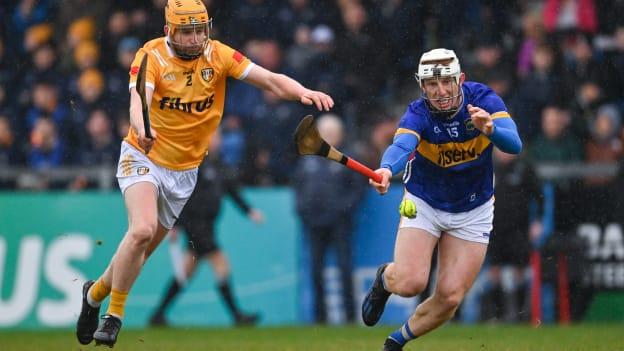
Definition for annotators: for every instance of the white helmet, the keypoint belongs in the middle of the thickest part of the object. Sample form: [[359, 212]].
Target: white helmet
[[439, 63]]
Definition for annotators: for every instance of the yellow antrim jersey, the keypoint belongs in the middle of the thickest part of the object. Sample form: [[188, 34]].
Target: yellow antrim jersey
[[188, 99]]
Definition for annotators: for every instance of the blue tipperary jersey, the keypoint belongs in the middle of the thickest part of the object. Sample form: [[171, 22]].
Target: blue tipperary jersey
[[451, 168]]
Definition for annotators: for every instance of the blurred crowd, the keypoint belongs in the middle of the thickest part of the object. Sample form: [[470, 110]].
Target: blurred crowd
[[559, 65]]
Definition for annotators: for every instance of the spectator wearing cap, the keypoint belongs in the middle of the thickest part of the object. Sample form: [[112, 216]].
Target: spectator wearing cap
[[26, 14], [324, 71], [86, 55], [117, 75], [90, 97], [36, 36], [605, 146]]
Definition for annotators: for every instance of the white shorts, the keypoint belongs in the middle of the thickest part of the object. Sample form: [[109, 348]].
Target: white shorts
[[474, 225], [174, 187]]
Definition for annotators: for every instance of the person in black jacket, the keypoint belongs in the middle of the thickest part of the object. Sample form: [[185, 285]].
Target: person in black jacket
[[517, 187], [327, 194], [198, 222]]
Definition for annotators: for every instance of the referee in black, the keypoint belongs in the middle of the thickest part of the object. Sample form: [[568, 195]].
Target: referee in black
[[198, 221]]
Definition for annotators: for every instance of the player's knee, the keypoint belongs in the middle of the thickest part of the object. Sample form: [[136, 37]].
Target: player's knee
[[141, 234], [450, 298], [411, 286]]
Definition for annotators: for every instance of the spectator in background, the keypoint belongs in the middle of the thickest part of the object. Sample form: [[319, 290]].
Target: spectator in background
[[276, 117], [614, 59], [516, 186], [357, 52], [81, 29], [117, 75], [10, 150], [43, 68], [86, 55], [403, 24], [380, 136], [36, 36], [300, 53], [26, 14], [46, 148], [45, 102], [327, 195], [243, 97], [562, 205], [257, 171], [324, 70], [90, 97], [233, 140], [292, 16], [117, 29], [532, 36], [555, 143], [588, 97], [604, 147], [539, 88], [100, 146]]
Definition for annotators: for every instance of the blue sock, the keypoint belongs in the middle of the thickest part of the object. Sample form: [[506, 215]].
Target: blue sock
[[402, 335]]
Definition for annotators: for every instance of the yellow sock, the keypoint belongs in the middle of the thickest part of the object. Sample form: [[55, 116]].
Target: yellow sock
[[99, 291], [117, 303]]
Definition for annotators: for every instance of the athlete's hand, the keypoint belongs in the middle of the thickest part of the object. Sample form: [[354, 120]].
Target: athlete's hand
[[481, 119], [256, 216], [322, 101], [144, 142], [382, 187]]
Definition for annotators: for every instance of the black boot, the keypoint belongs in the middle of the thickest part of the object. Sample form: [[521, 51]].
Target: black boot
[[106, 333], [88, 319]]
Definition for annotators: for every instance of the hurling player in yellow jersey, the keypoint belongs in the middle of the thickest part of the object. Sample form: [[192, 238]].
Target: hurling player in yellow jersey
[[185, 91]]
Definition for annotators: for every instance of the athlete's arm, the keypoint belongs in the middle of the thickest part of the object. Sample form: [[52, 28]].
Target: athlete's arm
[[395, 156], [136, 117], [505, 136], [501, 131], [287, 88]]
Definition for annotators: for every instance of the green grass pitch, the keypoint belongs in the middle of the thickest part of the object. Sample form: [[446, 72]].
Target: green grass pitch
[[594, 337]]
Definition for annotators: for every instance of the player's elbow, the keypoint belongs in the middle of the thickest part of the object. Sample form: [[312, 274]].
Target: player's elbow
[[516, 147]]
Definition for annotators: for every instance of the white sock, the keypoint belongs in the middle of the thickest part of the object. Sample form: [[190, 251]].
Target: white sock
[[91, 301]]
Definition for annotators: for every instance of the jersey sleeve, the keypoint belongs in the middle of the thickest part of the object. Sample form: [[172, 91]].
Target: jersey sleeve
[[410, 123], [151, 71], [234, 63], [493, 104]]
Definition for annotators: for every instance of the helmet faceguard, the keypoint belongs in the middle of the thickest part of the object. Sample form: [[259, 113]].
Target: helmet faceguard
[[188, 27], [441, 66]]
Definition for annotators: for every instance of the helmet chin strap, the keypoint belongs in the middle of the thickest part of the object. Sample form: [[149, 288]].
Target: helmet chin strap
[[183, 56], [445, 114]]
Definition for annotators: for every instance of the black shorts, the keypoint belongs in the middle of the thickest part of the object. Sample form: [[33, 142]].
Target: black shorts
[[509, 248], [201, 236]]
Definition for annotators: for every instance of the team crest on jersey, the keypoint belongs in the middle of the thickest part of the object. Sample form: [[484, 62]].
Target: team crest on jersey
[[142, 170], [207, 74], [469, 125]]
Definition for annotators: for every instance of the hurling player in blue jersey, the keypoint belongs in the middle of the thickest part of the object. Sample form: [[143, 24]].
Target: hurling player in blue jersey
[[444, 143]]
